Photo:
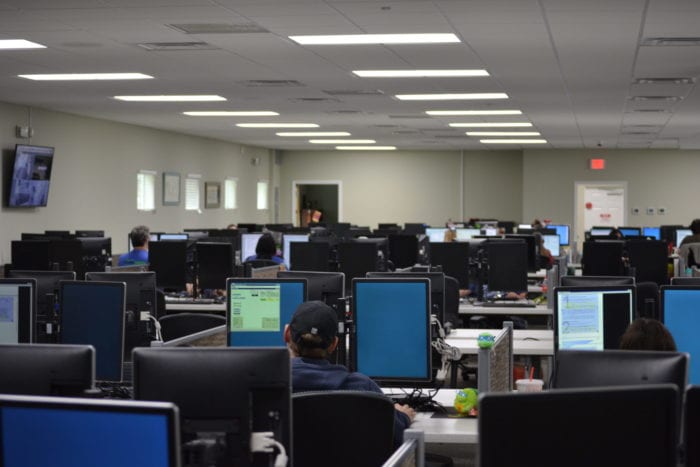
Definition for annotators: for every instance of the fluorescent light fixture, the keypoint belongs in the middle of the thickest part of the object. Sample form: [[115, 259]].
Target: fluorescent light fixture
[[86, 76], [503, 133], [513, 141], [171, 98], [14, 44], [491, 125], [311, 134], [457, 113], [366, 148], [419, 73], [342, 141], [355, 39], [277, 125], [452, 96], [232, 113]]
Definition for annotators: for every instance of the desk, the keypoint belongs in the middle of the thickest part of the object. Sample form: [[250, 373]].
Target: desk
[[213, 308], [538, 310]]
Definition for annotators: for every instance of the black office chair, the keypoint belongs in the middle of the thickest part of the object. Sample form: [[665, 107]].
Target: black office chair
[[184, 324], [648, 300], [342, 429], [452, 302], [261, 263]]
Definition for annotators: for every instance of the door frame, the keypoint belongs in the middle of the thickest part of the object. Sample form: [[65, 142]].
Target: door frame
[[295, 185], [580, 186]]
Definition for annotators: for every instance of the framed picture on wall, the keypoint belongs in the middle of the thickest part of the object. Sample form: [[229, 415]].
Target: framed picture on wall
[[171, 188], [212, 194]]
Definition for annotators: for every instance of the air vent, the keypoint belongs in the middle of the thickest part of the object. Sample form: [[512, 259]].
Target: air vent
[[175, 46], [218, 28], [411, 117], [664, 81], [670, 41], [271, 83], [354, 92], [656, 98], [317, 100]]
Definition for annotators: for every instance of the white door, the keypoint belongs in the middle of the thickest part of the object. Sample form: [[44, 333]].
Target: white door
[[599, 204]]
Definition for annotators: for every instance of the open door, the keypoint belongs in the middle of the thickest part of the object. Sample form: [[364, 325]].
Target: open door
[[317, 200]]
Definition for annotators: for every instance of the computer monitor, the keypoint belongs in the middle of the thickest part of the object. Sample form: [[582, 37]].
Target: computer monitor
[[89, 233], [87, 432], [357, 259], [328, 287], [225, 395], [174, 236], [653, 232], [250, 228], [17, 310], [310, 256], [392, 330], [436, 234], [489, 231], [47, 369], [30, 255], [92, 313], [551, 242], [454, 259], [630, 425], [691, 426], [169, 261], [603, 258], [437, 287], [679, 312], [532, 249], [593, 281], [601, 231], [563, 232], [140, 297], [67, 255], [507, 265], [681, 234], [592, 318], [630, 231], [414, 228], [465, 234], [685, 281], [249, 241], [287, 240], [258, 309], [215, 263], [403, 250]]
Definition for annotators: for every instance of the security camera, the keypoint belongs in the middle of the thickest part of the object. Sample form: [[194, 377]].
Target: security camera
[[599, 144]]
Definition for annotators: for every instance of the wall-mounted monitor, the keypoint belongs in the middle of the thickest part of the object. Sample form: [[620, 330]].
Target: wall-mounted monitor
[[31, 176]]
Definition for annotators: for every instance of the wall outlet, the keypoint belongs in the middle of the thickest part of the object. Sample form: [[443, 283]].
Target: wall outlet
[[662, 211], [635, 211], [650, 211]]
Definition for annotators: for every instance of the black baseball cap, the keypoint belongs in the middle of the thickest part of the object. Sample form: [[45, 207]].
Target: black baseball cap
[[316, 318]]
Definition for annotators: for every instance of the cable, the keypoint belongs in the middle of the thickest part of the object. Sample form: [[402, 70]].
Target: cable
[[156, 323], [263, 441]]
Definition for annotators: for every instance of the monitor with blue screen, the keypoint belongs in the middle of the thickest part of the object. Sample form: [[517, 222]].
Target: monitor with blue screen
[[551, 242], [173, 236], [562, 231], [87, 433], [249, 241], [286, 246], [436, 234], [92, 313], [258, 309], [592, 318], [654, 232], [17, 310], [392, 330], [630, 231], [679, 312], [681, 234]]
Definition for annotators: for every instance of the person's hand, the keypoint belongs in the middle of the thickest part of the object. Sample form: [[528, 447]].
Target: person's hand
[[407, 410]]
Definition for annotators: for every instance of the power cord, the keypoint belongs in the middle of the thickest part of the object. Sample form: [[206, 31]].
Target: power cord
[[148, 316], [264, 441]]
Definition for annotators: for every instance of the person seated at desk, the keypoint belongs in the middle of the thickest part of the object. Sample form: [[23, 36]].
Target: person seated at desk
[[695, 237], [266, 249], [310, 337], [545, 259], [647, 334], [139, 236]]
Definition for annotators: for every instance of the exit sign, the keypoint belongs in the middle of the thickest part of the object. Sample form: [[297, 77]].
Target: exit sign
[[597, 164]]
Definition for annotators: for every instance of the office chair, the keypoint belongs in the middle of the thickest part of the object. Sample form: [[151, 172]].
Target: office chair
[[648, 300], [184, 324], [342, 428], [261, 263], [603, 258], [649, 258], [452, 302]]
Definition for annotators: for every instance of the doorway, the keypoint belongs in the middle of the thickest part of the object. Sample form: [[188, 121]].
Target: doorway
[[598, 204], [318, 200]]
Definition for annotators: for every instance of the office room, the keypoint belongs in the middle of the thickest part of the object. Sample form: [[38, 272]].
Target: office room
[[459, 110]]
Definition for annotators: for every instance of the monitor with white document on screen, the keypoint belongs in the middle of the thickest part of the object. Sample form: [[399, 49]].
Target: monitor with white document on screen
[[17, 310], [466, 234], [436, 234], [551, 242], [249, 241], [592, 318]]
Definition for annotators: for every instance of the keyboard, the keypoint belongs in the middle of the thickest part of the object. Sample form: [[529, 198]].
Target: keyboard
[[508, 304], [417, 403]]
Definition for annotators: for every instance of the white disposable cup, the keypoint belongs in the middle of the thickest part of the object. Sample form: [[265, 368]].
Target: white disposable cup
[[529, 385]]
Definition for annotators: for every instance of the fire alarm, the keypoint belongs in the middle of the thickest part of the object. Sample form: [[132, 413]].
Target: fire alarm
[[589, 205]]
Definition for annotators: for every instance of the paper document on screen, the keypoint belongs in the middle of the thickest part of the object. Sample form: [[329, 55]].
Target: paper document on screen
[[580, 324], [255, 309]]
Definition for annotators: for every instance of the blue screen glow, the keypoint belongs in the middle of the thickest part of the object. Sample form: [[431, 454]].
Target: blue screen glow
[[682, 319]]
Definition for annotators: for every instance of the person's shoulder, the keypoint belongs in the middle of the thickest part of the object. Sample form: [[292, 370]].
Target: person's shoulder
[[277, 259]]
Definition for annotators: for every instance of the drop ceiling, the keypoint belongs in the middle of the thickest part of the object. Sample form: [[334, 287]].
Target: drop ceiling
[[573, 67]]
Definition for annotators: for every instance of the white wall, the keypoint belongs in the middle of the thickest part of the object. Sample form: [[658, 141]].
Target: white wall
[[411, 186], [93, 182]]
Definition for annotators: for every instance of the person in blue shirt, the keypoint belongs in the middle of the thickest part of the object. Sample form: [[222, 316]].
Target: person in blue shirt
[[140, 235], [266, 249], [311, 337]]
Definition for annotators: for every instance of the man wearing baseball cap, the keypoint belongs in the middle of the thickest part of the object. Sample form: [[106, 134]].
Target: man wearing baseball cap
[[311, 338]]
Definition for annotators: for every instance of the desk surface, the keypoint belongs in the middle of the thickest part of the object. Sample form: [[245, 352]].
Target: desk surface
[[525, 342], [538, 310], [445, 430], [204, 308]]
